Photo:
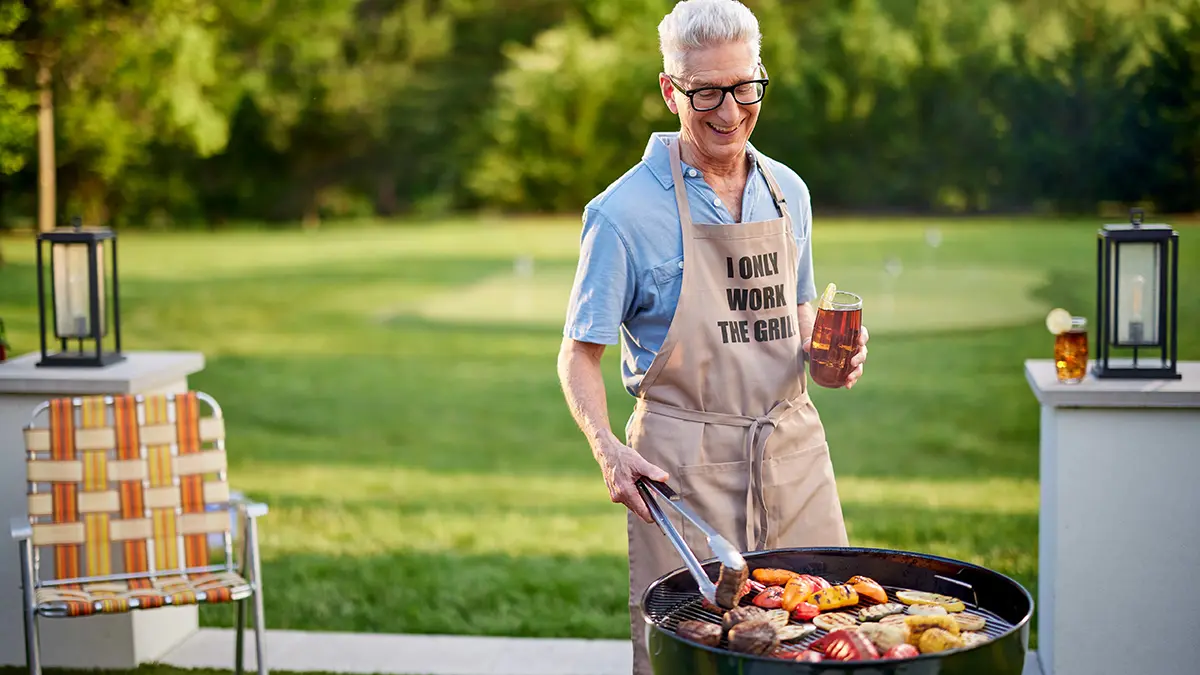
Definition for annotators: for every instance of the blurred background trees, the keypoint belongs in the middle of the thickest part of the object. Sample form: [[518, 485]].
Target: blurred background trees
[[181, 113]]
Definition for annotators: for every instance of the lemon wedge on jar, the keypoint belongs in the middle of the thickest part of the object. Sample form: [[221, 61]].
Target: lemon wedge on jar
[[1058, 321], [827, 297]]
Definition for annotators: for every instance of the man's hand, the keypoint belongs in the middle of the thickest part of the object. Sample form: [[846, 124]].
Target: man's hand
[[622, 466], [859, 358]]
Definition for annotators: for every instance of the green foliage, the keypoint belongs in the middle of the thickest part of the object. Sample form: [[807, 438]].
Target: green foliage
[[218, 110], [17, 127]]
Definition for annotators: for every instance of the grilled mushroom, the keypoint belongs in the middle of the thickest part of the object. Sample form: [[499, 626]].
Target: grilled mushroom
[[742, 614], [754, 637], [700, 631]]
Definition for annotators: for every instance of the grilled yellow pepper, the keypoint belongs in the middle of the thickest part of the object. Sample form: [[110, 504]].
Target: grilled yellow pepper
[[842, 595], [920, 623], [938, 640]]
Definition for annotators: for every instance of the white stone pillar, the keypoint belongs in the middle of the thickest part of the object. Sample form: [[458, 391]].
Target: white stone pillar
[[1119, 526], [118, 641]]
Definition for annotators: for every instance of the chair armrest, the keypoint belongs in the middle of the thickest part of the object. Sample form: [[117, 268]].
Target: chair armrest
[[250, 508], [20, 528]]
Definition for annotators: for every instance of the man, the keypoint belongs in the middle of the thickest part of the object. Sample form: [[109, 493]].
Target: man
[[667, 250]]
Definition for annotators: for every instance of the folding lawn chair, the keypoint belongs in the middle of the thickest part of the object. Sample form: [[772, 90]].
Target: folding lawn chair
[[130, 509]]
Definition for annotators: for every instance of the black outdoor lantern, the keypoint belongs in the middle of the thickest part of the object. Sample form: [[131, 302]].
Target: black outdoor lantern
[[1137, 301], [80, 282]]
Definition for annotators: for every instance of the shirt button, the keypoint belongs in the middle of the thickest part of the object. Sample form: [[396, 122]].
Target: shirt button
[[692, 173], [717, 201], [680, 264]]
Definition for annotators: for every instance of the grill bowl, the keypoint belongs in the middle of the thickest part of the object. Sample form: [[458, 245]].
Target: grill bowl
[[1007, 605]]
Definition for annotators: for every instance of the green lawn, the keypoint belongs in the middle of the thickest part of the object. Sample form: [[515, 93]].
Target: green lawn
[[391, 392]]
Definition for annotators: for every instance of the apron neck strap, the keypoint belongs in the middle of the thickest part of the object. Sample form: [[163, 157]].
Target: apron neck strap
[[685, 213], [773, 186]]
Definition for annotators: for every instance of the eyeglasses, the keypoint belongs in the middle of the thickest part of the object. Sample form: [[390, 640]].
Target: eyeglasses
[[710, 98]]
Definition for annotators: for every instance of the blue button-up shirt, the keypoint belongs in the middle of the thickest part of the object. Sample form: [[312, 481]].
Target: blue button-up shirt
[[631, 251]]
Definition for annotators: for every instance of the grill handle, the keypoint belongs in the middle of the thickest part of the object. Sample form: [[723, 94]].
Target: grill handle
[[725, 552]]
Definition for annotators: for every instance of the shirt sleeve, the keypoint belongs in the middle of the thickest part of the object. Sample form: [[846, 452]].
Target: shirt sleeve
[[604, 283], [806, 287]]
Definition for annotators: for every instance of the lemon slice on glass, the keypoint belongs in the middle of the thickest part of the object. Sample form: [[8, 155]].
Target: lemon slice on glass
[[1058, 321], [827, 297]]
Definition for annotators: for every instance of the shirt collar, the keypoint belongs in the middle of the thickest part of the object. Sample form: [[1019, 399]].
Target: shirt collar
[[657, 158]]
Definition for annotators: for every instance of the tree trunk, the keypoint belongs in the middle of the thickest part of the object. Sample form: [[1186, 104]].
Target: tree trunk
[[46, 162]]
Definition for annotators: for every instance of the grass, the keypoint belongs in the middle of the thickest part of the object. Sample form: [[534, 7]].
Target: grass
[[391, 392]]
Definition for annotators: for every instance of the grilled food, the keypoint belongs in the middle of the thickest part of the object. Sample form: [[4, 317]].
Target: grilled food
[[797, 590], [731, 586], [926, 610], [894, 618], [771, 597], [971, 638], [773, 577], [938, 640], [969, 622], [809, 656], [878, 612], [775, 617], [904, 651], [805, 611], [835, 597], [833, 621], [884, 636], [868, 588], [700, 631], [849, 645], [923, 598], [741, 614], [919, 624], [794, 631], [754, 637]]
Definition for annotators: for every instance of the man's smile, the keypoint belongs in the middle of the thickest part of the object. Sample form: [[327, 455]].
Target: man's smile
[[724, 130]]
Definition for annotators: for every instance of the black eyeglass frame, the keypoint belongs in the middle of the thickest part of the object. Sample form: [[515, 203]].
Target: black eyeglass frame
[[691, 93]]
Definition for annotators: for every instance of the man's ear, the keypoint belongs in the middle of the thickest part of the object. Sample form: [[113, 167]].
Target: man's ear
[[668, 93]]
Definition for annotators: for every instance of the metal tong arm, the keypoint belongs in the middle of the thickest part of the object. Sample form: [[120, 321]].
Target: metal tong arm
[[725, 552]]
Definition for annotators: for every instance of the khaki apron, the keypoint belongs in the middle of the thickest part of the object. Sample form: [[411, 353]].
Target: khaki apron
[[724, 406]]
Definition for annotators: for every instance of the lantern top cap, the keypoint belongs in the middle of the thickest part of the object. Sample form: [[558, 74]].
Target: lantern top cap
[[77, 233], [1135, 229]]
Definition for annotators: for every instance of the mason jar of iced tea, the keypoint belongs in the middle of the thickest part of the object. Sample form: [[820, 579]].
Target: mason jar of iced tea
[[1071, 352], [834, 337]]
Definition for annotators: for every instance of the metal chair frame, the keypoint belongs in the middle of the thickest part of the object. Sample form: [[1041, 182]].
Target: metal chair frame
[[248, 561]]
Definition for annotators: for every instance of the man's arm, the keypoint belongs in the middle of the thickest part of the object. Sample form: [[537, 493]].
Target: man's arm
[[583, 387]]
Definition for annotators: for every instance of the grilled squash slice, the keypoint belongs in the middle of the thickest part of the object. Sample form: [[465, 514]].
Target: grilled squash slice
[[938, 640]]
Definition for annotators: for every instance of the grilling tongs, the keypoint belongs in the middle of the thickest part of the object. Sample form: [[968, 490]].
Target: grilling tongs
[[734, 572]]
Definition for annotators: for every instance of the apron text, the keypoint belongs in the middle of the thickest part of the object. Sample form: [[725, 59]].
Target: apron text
[[751, 266], [764, 330]]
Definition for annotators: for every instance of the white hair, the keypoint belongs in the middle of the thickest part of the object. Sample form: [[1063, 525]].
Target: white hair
[[700, 24]]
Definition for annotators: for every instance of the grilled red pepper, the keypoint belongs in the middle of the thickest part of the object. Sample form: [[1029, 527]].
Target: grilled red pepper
[[805, 611], [817, 582], [849, 645], [904, 651], [809, 656], [770, 598]]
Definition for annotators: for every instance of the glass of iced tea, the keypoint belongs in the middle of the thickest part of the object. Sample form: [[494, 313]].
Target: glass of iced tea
[[835, 337], [1071, 352]]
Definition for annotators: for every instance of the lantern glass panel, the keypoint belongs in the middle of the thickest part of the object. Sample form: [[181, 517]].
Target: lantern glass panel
[[72, 296], [1137, 293]]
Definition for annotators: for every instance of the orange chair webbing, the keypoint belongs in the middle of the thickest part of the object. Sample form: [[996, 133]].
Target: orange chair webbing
[[191, 488], [166, 550], [125, 423], [66, 504]]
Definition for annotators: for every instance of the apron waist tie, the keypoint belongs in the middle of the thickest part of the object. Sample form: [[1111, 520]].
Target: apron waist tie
[[758, 430]]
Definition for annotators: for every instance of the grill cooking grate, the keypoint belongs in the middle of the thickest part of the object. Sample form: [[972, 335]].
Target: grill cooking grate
[[667, 608]]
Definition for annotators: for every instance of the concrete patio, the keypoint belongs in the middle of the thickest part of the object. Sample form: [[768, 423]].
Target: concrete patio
[[300, 651]]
